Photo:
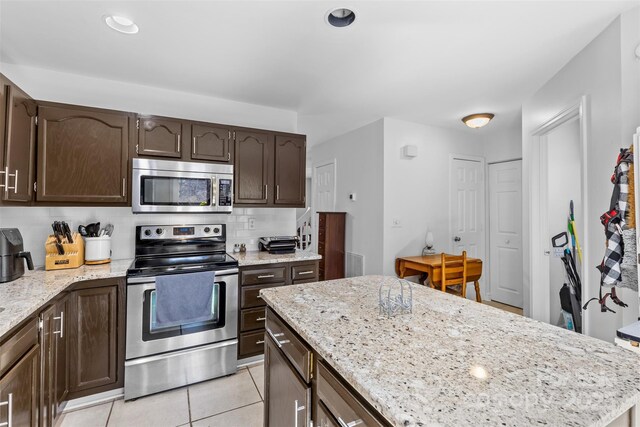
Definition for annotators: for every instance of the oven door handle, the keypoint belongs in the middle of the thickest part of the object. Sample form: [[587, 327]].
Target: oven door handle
[[143, 280]]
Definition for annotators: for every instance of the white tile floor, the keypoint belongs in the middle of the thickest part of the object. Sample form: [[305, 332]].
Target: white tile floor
[[233, 401]]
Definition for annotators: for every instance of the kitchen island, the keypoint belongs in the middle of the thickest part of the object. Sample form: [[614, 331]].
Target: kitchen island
[[450, 362]]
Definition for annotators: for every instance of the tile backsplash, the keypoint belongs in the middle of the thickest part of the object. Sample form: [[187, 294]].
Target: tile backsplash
[[35, 225]]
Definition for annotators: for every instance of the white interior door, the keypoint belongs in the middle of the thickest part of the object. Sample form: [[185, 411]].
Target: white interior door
[[505, 232], [325, 187], [466, 211]]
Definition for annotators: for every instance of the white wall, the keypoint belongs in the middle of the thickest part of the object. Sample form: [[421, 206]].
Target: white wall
[[503, 145], [35, 225], [34, 222], [416, 190], [49, 85], [604, 71], [359, 169]]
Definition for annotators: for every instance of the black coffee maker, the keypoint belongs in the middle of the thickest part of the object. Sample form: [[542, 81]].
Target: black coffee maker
[[11, 254]]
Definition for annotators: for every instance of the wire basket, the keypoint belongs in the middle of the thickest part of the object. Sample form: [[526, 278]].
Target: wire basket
[[395, 297]]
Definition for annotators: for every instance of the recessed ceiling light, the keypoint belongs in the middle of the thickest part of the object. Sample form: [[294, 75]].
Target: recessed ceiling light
[[477, 120], [121, 24], [341, 17]]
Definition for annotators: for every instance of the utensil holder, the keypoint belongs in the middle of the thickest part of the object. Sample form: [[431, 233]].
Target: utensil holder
[[73, 253], [97, 250]]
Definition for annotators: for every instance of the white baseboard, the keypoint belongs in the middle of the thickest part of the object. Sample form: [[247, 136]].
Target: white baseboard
[[94, 399], [251, 361]]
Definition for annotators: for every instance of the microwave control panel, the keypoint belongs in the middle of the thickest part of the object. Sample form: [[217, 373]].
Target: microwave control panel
[[224, 193]]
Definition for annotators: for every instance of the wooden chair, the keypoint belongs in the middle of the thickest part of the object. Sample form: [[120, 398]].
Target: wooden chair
[[454, 273]]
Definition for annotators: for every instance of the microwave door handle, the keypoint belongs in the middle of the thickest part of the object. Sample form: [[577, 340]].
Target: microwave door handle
[[214, 191]]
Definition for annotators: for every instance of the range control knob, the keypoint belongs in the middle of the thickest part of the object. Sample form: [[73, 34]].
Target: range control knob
[[159, 231], [216, 230], [207, 230], [147, 232]]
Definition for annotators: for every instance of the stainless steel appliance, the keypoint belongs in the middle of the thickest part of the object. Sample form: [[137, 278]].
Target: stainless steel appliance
[[279, 244], [161, 358], [172, 186], [12, 254]]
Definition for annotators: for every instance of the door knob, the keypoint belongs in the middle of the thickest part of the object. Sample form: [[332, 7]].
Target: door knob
[[456, 239]]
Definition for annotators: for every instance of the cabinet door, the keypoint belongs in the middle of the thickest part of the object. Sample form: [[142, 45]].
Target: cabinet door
[[19, 389], [253, 170], [287, 398], [19, 146], [61, 359], [290, 170], [82, 155], [47, 355], [159, 137], [93, 338], [211, 143]]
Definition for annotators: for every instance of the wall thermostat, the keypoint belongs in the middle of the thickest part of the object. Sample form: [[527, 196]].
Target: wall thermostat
[[352, 197], [410, 151]]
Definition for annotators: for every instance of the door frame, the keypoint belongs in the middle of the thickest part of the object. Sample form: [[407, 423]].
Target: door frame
[[314, 204], [482, 213], [539, 304], [487, 201]]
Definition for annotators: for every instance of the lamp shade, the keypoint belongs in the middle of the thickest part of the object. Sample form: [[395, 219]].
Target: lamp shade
[[475, 121]]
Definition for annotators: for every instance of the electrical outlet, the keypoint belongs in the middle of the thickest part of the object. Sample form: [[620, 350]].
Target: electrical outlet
[[252, 223]]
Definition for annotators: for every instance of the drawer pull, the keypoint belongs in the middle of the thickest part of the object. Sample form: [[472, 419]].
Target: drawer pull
[[275, 338], [61, 319], [259, 342], [296, 410], [259, 297], [9, 404], [267, 276], [306, 272], [261, 319], [351, 424]]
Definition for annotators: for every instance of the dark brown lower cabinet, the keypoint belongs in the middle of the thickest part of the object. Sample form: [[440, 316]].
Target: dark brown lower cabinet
[[288, 398], [96, 337], [19, 391]]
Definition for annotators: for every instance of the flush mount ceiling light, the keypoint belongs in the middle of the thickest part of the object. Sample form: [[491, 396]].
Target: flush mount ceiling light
[[341, 17], [121, 24], [477, 120]]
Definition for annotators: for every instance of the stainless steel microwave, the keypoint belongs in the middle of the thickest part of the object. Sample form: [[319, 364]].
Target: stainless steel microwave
[[171, 186]]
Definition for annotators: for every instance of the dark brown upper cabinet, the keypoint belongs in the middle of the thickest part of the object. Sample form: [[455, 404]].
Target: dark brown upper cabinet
[[212, 143], [290, 170], [159, 137], [82, 155], [253, 167]]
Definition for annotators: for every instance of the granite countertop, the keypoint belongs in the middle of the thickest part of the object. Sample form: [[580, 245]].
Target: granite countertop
[[263, 257], [24, 296], [455, 362]]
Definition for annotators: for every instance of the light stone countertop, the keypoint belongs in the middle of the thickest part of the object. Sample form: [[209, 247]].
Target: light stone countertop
[[263, 257], [454, 362], [24, 296]]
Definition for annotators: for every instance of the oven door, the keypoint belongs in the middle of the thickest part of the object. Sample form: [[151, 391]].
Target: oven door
[[145, 338]]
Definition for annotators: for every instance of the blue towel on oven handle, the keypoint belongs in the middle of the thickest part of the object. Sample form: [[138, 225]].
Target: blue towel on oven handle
[[184, 298]]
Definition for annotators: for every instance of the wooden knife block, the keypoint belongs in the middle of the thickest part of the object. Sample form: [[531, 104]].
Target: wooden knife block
[[73, 253]]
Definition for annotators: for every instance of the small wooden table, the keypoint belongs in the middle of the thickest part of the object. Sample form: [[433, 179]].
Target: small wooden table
[[429, 267]]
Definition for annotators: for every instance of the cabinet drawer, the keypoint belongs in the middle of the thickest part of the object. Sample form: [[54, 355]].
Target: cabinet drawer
[[18, 344], [250, 295], [252, 319], [324, 417], [304, 271], [339, 401], [251, 343], [263, 275], [297, 352]]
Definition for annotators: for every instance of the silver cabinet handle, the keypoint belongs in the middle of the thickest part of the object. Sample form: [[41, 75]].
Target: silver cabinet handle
[[277, 192], [179, 142], [61, 319], [9, 404], [296, 410], [194, 145], [124, 187], [261, 319], [6, 181], [306, 272], [275, 337], [267, 276], [351, 424], [266, 191], [259, 342], [259, 297], [15, 182], [229, 157]]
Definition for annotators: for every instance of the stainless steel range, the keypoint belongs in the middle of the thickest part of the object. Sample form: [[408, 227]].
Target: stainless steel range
[[161, 357]]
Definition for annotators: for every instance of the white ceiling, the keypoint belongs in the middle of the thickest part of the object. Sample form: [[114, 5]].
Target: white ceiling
[[423, 61]]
